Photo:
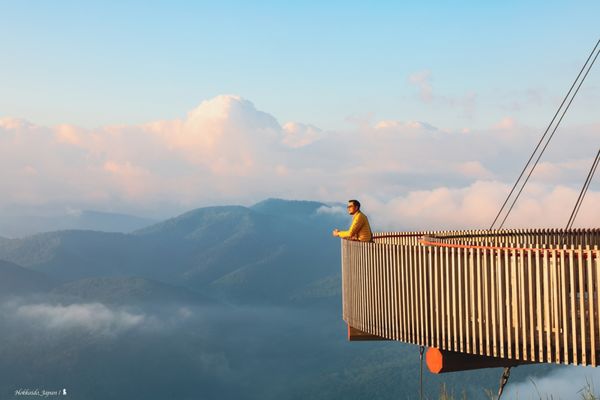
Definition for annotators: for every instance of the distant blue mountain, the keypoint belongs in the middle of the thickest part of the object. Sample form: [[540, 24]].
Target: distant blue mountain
[[267, 253], [16, 280], [288, 208], [26, 225]]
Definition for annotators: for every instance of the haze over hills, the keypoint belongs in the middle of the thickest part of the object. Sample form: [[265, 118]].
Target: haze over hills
[[25, 225], [126, 291], [16, 280]]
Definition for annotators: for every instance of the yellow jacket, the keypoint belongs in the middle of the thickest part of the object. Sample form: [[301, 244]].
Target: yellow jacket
[[359, 230]]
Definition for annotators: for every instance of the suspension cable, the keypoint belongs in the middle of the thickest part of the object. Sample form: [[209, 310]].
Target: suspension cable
[[548, 141], [544, 135], [583, 192]]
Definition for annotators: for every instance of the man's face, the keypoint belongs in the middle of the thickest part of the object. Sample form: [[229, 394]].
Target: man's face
[[352, 209]]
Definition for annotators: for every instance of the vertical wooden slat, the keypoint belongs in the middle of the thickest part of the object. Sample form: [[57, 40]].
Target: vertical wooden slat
[[360, 285], [356, 283], [525, 298], [436, 295], [361, 272], [389, 287], [401, 252], [369, 276], [573, 314], [415, 294], [480, 300], [424, 304], [394, 298], [411, 312], [408, 292], [398, 311], [582, 313], [453, 299], [595, 256], [532, 304], [564, 305], [494, 301], [392, 295], [386, 292], [447, 322], [418, 297], [431, 291], [378, 291], [418, 304], [442, 296], [501, 269], [382, 290], [538, 292], [547, 306], [591, 307], [512, 316], [487, 301], [461, 299], [555, 304], [474, 314], [351, 278], [425, 292], [506, 303], [344, 283]]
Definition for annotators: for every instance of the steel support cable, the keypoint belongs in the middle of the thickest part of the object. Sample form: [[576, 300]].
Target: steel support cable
[[544, 135], [583, 192], [549, 138]]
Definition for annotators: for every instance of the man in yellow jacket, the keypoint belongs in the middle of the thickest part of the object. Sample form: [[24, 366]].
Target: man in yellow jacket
[[360, 228]]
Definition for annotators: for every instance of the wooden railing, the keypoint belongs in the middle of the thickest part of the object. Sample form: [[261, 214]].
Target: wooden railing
[[529, 295]]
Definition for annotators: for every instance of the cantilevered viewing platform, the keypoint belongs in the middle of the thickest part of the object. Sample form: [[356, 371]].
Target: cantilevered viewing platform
[[478, 298]]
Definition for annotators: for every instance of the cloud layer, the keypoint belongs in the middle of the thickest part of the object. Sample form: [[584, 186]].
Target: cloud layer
[[409, 174], [91, 317]]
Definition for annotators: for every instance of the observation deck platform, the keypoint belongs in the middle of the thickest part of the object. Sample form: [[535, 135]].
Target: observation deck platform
[[514, 296]]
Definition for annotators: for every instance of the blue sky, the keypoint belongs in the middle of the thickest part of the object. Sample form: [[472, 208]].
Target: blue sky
[[158, 107], [98, 63]]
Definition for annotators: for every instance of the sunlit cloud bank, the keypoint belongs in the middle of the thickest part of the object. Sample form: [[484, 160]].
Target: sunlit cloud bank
[[476, 206], [409, 174]]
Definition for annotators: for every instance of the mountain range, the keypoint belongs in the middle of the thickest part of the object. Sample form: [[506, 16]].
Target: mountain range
[[271, 252], [17, 225]]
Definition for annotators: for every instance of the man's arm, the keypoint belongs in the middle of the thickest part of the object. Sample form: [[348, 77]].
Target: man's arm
[[357, 224]]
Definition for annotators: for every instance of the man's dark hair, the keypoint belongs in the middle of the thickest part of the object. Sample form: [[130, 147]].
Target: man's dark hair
[[356, 203]]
